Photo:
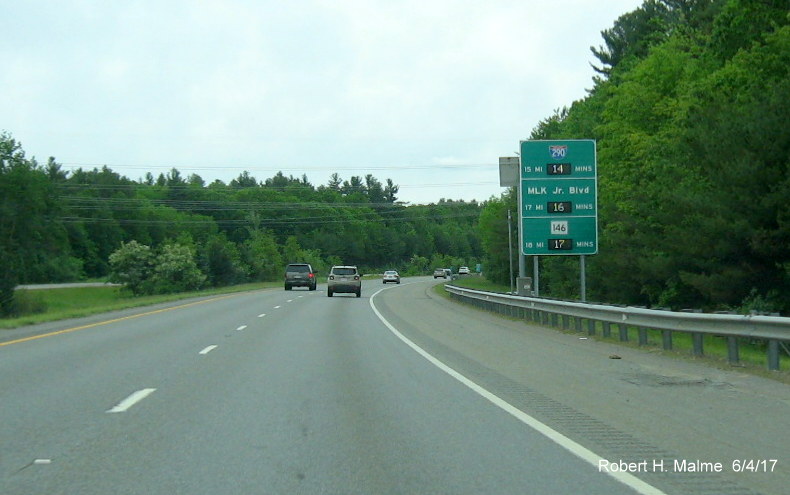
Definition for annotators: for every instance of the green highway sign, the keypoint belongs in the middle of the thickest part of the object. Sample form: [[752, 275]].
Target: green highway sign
[[559, 197]]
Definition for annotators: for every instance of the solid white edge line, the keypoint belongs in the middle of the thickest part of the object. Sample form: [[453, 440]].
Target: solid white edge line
[[574, 448], [133, 399], [208, 349]]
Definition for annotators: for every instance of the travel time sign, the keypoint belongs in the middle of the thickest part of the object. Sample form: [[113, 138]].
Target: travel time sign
[[559, 198]]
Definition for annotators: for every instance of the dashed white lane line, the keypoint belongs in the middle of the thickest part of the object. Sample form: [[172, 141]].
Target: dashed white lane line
[[277, 307], [289, 300], [571, 446], [261, 315], [241, 328], [133, 399], [208, 349]]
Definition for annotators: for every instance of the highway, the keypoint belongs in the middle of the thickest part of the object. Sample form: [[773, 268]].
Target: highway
[[398, 392]]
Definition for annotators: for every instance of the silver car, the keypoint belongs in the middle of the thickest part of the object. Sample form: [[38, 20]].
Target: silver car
[[344, 279], [390, 276]]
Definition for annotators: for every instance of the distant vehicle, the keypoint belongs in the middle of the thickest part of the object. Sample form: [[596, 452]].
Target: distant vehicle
[[390, 276], [344, 279], [448, 272], [464, 270], [300, 275], [440, 272]]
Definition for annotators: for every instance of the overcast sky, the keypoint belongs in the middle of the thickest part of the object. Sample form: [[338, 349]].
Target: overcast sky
[[429, 93]]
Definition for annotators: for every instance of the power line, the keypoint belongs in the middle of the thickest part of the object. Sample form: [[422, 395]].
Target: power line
[[316, 220], [302, 169], [264, 186]]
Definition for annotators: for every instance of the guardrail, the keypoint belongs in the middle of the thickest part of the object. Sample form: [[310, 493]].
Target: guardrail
[[773, 329]]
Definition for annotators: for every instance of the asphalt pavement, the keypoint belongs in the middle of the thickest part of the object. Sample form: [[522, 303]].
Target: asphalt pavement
[[400, 391]]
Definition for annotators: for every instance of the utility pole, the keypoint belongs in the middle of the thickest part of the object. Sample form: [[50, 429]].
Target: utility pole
[[510, 249]]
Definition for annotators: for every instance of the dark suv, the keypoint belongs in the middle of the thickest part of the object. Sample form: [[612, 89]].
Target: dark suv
[[299, 275]]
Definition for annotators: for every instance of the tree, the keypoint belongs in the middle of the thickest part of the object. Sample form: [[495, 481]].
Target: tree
[[143, 271], [743, 23], [132, 265], [739, 136], [632, 35], [244, 180], [8, 282], [220, 260], [334, 182], [292, 251], [354, 189], [30, 229], [374, 190], [390, 190], [175, 270], [263, 257], [494, 236]]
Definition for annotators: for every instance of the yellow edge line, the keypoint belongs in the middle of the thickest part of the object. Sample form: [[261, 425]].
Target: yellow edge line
[[107, 322]]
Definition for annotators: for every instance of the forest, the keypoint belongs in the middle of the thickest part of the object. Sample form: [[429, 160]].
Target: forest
[[58, 226], [689, 108], [690, 111]]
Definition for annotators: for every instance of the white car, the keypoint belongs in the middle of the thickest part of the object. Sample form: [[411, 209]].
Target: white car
[[464, 270], [390, 276]]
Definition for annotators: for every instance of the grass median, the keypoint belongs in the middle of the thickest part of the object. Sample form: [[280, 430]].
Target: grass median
[[74, 302]]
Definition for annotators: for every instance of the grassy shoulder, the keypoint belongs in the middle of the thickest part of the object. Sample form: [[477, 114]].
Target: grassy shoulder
[[752, 354], [75, 302], [479, 283]]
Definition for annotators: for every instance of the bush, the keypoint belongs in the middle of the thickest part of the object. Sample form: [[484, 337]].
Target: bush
[[175, 270], [132, 265], [142, 271]]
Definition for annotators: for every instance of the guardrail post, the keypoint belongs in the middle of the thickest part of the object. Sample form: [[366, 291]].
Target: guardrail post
[[554, 320], [566, 322], [607, 329], [773, 355], [696, 338], [642, 336], [591, 327], [732, 350], [623, 332], [578, 322], [666, 337]]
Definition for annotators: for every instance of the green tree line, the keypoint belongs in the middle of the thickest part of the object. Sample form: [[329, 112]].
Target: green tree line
[[64, 226], [691, 113]]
